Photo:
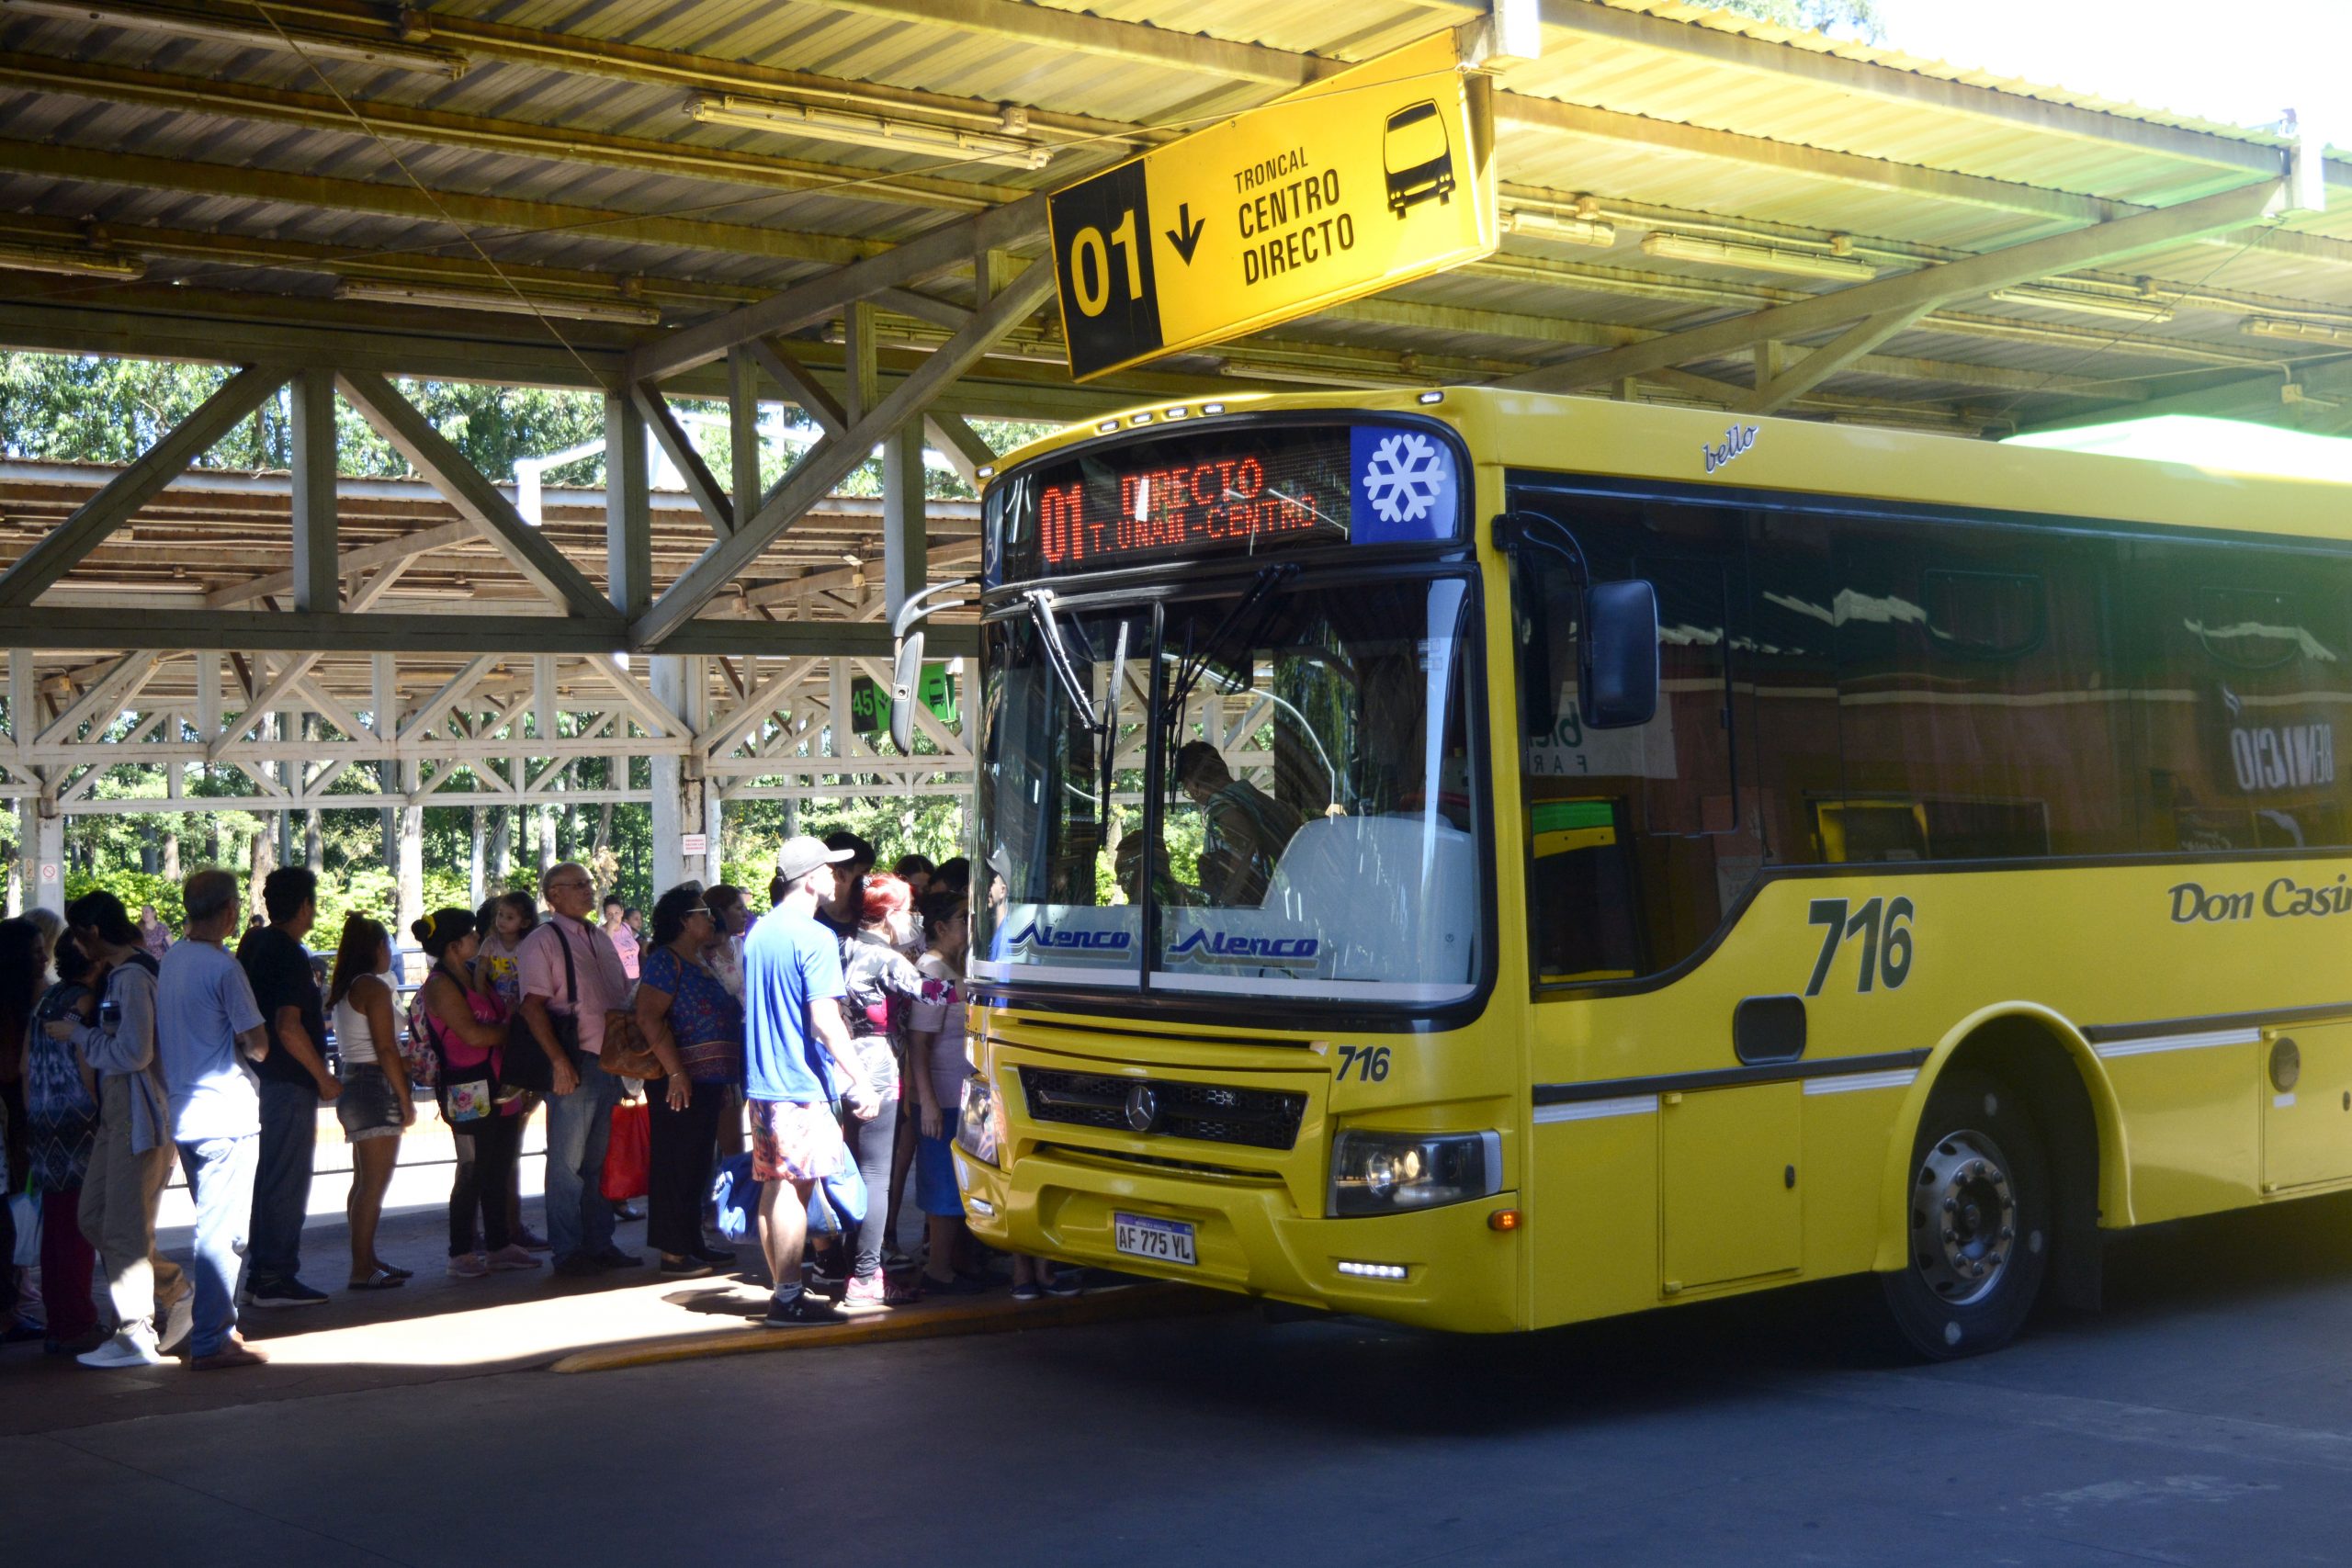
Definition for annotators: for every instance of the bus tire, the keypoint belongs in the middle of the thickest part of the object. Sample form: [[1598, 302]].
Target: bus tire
[[1979, 1220]]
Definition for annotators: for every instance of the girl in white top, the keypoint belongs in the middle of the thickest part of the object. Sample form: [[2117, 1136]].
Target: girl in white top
[[375, 1107]]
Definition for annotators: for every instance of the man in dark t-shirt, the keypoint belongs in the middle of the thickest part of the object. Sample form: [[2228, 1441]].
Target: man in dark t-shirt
[[294, 1081]]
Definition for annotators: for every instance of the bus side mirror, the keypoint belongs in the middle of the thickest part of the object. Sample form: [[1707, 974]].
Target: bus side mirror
[[906, 676], [1617, 658]]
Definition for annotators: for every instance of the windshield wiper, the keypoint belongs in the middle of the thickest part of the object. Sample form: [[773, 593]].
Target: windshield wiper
[[1193, 666], [1049, 632]]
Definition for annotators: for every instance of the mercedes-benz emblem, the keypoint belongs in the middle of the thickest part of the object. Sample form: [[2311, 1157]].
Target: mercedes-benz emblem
[[1143, 1107]]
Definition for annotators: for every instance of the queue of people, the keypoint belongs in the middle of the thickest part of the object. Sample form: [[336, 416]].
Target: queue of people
[[827, 1033]]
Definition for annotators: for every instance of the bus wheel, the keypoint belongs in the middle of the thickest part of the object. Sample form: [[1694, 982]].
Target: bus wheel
[[1979, 1221]]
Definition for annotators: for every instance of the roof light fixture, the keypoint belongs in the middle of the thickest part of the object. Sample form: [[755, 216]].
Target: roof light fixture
[[1757, 258], [2119, 306], [2296, 331], [55, 258], [1552, 226], [1003, 146], [381, 292]]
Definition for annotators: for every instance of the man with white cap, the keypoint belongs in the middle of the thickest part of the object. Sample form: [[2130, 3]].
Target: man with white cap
[[797, 1060]]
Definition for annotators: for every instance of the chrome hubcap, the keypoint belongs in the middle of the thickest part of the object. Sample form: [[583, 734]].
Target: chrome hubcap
[[1963, 1217]]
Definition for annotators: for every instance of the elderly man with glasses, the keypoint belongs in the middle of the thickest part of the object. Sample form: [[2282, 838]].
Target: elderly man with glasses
[[571, 975]]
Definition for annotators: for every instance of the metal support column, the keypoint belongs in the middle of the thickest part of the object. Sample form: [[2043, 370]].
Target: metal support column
[[681, 794], [905, 558]]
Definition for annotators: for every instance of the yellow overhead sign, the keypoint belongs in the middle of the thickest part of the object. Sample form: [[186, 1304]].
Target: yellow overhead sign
[[1380, 174]]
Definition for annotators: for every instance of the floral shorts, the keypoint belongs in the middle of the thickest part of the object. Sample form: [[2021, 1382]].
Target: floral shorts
[[794, 1142]]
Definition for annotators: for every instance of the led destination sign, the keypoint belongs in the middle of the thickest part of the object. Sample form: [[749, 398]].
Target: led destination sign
[[1236, 492]]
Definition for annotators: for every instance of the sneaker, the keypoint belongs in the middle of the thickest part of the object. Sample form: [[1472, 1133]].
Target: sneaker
[[234, 1352], [818, 1284], [511, 1257], [867, 1293], [530, 1240], [468, 1266], [614, 1258], [284, 1294], [682, 1267], [1027, 1290], [128, 1347], [1063, 1282], [178, 1319], [803, 1310]]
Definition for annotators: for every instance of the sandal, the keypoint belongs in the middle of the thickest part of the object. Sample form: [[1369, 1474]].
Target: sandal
[[394, 1270], [382, 1279]]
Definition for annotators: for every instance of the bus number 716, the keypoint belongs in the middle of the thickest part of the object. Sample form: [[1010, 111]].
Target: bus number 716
[[1884, 926]]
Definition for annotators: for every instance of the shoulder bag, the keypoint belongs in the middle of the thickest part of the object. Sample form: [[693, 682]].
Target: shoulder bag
[[524, 1064]]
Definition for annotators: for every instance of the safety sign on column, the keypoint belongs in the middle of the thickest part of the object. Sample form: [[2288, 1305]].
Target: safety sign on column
[[1379, 174]]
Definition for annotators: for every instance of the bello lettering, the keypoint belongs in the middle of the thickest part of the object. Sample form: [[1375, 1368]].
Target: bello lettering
[[1736, 441]]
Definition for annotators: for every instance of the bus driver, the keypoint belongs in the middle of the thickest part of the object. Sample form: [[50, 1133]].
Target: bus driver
[[1246, 829]]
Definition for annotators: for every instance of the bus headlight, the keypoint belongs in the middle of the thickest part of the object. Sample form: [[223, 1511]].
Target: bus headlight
[[1386, 1173], [978, 1131]]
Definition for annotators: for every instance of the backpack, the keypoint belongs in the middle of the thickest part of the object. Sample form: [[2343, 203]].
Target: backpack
[[418, 1050]]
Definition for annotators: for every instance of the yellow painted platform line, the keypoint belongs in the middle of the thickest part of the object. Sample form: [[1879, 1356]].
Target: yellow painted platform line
[[995, 1314]]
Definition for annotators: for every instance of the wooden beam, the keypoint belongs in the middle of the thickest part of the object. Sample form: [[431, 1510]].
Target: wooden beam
[[701, 484], [629, 507], [406, 548], [1928, 287], [430, 452], [317, 111], [940, 250], [816, 476], [799, 386], [135, 486], [318, 575], [1782, 387], [959, 444]]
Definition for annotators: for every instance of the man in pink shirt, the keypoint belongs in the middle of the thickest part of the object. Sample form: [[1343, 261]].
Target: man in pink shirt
[[580, 1110]]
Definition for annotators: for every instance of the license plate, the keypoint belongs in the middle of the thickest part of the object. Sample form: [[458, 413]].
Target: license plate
[[1162, 1241]]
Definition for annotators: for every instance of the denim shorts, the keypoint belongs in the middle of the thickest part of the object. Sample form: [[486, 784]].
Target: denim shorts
[[367, 1107]]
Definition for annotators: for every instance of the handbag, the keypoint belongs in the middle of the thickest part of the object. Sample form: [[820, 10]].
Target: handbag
[[467, 1094], [418, 1052], [629, 1156], [624, 1053], [524, 1064]]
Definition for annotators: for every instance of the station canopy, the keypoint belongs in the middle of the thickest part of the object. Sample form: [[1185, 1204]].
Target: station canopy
[[839, 205]]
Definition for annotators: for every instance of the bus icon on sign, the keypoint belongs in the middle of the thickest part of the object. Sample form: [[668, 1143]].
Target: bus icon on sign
[[1419, 158]]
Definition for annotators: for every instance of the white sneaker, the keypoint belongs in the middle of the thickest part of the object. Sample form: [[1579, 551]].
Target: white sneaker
[[511, 1257], [128, 1347], [178, 1318], [468, 1266]]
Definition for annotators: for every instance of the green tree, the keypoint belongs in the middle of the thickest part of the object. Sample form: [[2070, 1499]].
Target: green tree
[[1858, 18]]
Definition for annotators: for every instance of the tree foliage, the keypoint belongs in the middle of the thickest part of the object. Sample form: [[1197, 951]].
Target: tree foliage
[[1854, 18]]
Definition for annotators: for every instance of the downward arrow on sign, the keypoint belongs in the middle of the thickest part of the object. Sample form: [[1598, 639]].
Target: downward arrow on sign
[[1186, 235]]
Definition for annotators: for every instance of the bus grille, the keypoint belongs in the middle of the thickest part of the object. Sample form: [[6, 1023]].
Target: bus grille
[[1260, 1118]]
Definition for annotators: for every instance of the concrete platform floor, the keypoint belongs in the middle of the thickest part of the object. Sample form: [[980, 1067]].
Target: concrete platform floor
[[2202, 1418]]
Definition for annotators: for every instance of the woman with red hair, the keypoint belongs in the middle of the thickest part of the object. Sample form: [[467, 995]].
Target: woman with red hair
[[880, 984]]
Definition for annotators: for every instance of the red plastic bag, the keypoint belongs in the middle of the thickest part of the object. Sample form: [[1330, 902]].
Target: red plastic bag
[[628, 1159]]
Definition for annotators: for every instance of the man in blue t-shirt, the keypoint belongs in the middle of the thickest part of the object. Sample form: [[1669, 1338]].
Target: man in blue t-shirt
[[796, 1059], [208, 1035]]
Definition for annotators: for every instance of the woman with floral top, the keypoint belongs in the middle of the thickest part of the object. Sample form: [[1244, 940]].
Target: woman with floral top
[[694, 1028]]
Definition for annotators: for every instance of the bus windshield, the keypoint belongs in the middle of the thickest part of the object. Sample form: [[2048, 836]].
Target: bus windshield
[[1274, 794]]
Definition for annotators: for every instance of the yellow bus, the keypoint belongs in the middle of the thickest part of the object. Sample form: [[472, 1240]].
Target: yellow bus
[[1487, 860]]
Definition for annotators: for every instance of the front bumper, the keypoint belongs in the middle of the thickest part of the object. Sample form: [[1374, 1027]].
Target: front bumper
[[1250, 1237]]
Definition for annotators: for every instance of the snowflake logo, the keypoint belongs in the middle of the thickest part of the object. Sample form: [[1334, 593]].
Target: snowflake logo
[[1404, 477]]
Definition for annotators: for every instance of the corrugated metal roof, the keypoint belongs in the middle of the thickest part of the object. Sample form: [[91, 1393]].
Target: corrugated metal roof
[[526, 131]]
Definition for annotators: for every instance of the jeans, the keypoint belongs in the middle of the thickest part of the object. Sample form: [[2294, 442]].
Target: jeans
[[684, 1146], [118, 1200], [580, 1222], [289, 1133], [221, 1179], [483, 1183]]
